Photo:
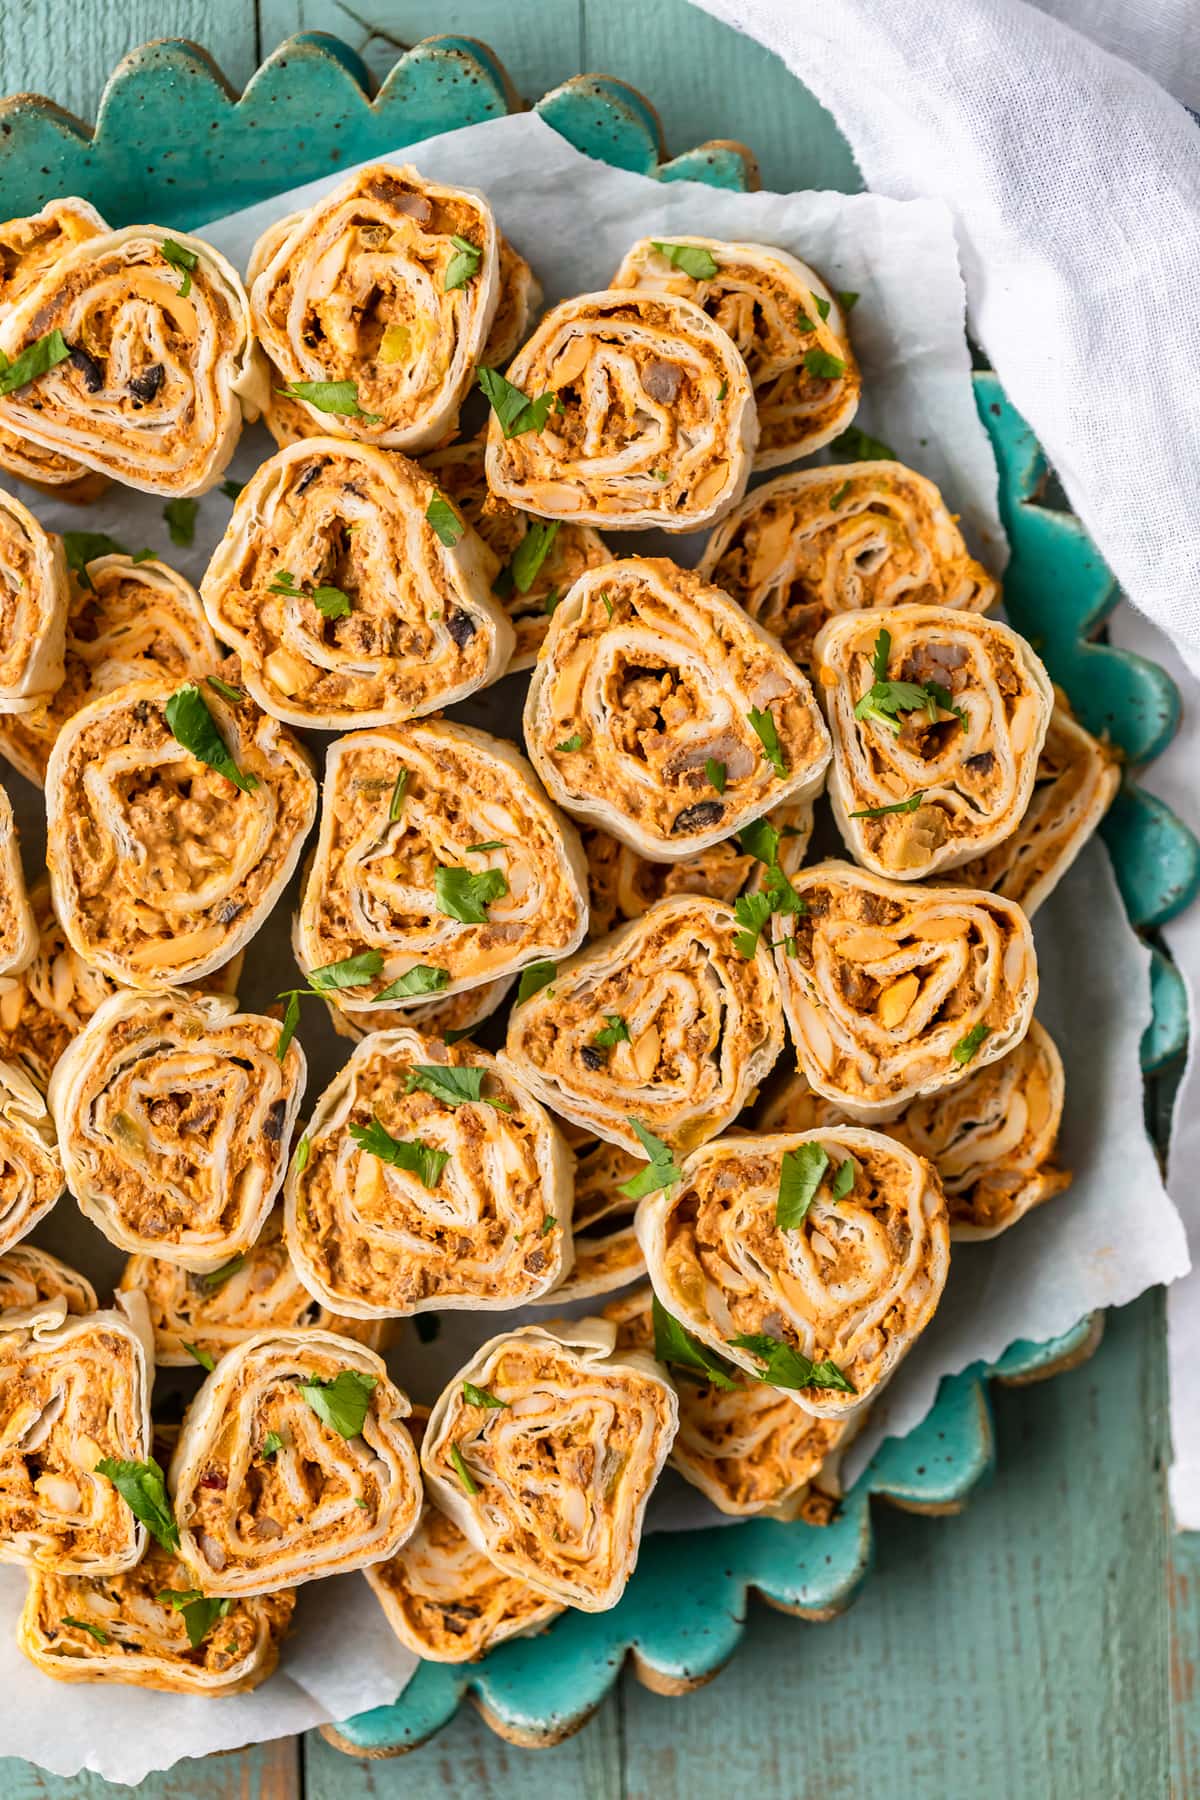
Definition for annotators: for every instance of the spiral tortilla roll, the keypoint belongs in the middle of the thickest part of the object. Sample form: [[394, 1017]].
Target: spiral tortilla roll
[[808, 546], [480, 1219], [345, 604], [162, 362], [175, 1119], [950, 776], [784, 320], [255, 1517], [256, 1290], [557, 1478], [28, 248], [450, 1018], [528, 586], [161, 867], [474, 877], [1075, 783], [31, 1170], [852, 1284], [992, 1140], [127, 621], [29, 1276], [33, 609], [896, 991], [660, 712], [607, 1253], [746, 1447], [519, 303], [18, 932], [653, 422], [73, 1391], [119, 1629], [688, 1026], [622, 884], [356, 292], [443, 1598]]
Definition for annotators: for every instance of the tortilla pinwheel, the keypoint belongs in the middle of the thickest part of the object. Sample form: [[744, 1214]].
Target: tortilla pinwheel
[[18, 931], [31, 1170], [29, 1276], [607, 1253], [34, 594]]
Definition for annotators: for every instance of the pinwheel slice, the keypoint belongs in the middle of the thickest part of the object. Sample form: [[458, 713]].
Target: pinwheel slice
[[166, 853], [439, 854], [443, 1598], [128, 621], [622, 884], [352, 590], [141, 360], [549, 1474], [385, 291], [30, 1276], [624, 409], [747, 1447], [73, 1393], [33, 609], [808, 546], [18, 932], [195, 1316], [665, 1021], [452, 1018], [31, 1171], [992, 1140], [429, 1179], [175, 1119], [28, 248], [519, 303], [1075, 783], [607, 1253], [896, 991], [812, 1263], [539, 559], [660, 712], [784, 320], [137, 1629], [938, 720], [294, 1463]]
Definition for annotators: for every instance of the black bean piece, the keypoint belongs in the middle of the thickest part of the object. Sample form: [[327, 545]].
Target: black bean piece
[[88, 367], [308, 477], [461, 627], [536, 1263], [273, 1123], [698, 817], [981, 763], [146, 385], [229, 912], [141, 712], [592, 1058]]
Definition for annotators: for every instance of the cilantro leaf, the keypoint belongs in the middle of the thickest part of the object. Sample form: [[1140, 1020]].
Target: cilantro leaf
[[95, 1631], [763, 726], [534, 978], [461, 895], [848, 299], [143, 1488], [272, 1444], [331, 602], [36, 359], [180, 517], [675, 1345], [342, 1402], [967, 1046], [822, 306], [788, 1368], [340, 397], [424, 978], [691, 259], [856, 445], [760, 839], [900, 806], [751, 912], [199, 1613], [838, 495], [716, 773], [843, 1181], [83, 547], [203, 1357], [396, 803], [532, 551], [452, 1086], [614, 1031], [234, 695], [180, 258], [352, 971], [574, 742], [477, 1396], [462, 1471], [192, 725], [444, 520], [463, 265], [216, 1278], [412, 1155], [232, 489], [303, 1151], [820, 362], [516, 412], [800, 1176], [663, 1170]]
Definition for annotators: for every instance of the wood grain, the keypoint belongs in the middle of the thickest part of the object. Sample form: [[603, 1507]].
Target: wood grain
[[265, 1772]]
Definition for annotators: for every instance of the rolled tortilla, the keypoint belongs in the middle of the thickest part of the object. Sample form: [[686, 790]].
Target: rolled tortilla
[[938, 719], [660, 713], [161, 365], [824, 1308], [519, 304], [31, 1170], [18, 931], [688, 1028], [808, 546], [438, 851], [784, 320], [742, 1443], [607, 1253], [161, 867], [552, 1484], [73, 1391], [451, 1018], [896, 991], [369, 290], [33, 609], [194, 1316], [352, 591], [1075, 783], [255, 1514], [127, 621], [29, 1276], [992, 1140], [175, 1118], [127, 1629], [443, 1598], [652, 423], [539, 560], [416, 1198]]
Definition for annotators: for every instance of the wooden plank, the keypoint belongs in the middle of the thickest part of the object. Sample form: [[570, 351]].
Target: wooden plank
[[66, 50], [265, 1772], [1183, 1623], [467, 1759]]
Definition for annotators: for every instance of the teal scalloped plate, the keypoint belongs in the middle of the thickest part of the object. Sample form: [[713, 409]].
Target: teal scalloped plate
[[174, 143]]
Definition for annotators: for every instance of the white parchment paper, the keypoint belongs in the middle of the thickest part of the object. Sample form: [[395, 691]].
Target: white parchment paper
[[574, 219]]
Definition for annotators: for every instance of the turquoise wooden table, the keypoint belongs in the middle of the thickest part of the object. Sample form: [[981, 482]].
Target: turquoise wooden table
[[1042, 1643]]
